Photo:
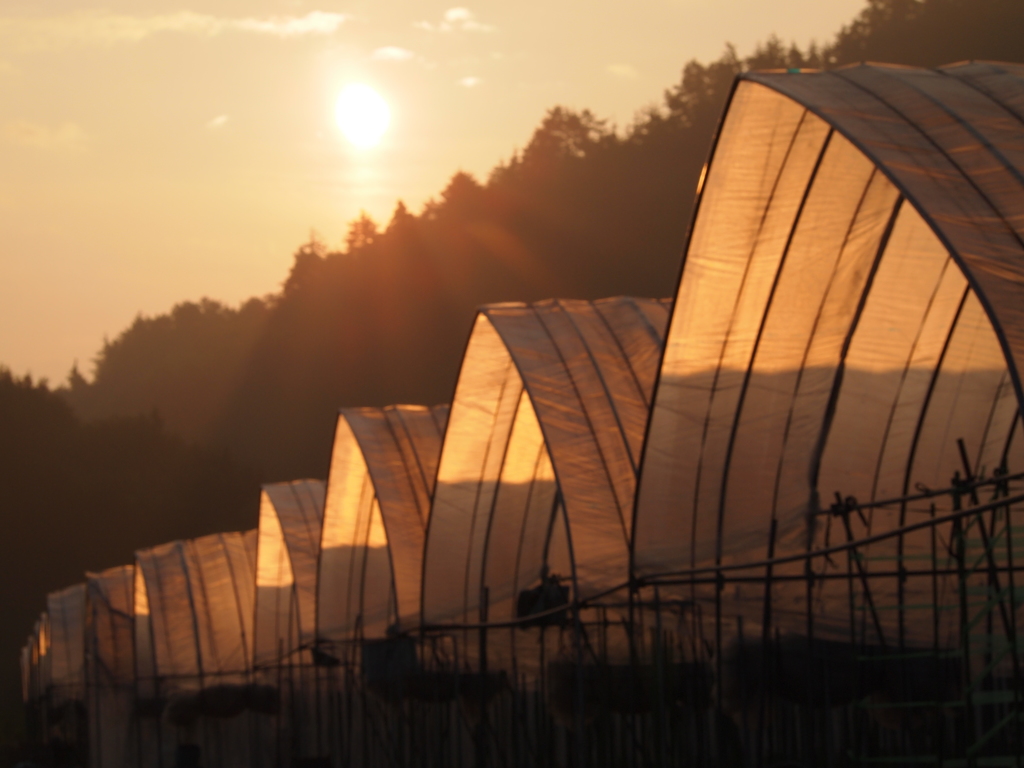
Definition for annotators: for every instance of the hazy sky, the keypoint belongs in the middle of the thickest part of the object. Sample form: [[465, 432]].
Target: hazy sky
[[154, 151]]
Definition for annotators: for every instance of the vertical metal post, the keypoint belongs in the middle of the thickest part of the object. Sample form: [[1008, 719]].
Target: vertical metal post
[[481, 727]]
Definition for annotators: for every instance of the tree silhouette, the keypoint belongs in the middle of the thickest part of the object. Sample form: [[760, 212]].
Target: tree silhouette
[[582, 211], [361, 233]]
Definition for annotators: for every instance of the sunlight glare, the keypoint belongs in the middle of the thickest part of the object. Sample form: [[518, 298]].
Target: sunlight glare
[[362, 115]]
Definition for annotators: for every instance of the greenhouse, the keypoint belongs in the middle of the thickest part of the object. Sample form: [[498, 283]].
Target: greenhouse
[[379, 489], [840, 386], [381, 480], [53, 673], [775, 521], [193, 609], [538, 469], [291, 515], [284, 622], [65, 668], [110, 666]]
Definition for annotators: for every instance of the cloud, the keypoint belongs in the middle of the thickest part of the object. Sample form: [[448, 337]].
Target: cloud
[[470, 82], [29, 134], [391, 53], [107, 28], [218, 122], [313, 23], [622, 71], [455, 20]]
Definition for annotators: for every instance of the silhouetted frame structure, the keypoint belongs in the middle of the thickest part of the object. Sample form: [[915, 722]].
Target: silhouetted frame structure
[[287, 555], [842, 369], [193, 612], [381, 480], [32, 660], [532, 507], [110, 667]]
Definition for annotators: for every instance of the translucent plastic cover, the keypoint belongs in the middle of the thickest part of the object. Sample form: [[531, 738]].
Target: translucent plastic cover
[[381, 481], [852, 294], [549, 414], [286, 568]]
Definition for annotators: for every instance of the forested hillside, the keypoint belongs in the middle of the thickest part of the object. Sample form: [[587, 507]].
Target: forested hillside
[[582, 211]]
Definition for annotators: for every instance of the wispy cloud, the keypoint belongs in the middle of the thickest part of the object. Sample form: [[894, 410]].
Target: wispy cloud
[[313, 23], [107, 28], [28, 134], [392, 53], [622, 71], [218, 122], [470, 82], [455, 20]]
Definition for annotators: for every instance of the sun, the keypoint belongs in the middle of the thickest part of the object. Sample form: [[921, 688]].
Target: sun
[[362, 114]]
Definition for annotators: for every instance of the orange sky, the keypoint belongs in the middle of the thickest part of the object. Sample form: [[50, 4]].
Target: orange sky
[[155, 151]]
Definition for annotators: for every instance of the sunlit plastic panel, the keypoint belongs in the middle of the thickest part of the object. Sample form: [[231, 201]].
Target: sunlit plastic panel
[[381, 481], [850, 321], [291, 515], [194, 606], [538, 469]]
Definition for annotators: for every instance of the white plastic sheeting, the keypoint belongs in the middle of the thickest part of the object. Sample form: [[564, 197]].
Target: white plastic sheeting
[[852, 292], [288, 548], [381, 480], [538, 467], [291, 517], [110, 666], [193, 607], [65, 610]]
